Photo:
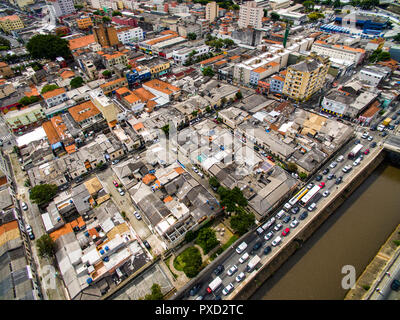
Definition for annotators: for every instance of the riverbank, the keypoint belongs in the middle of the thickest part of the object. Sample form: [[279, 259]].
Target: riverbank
[[375, 271]]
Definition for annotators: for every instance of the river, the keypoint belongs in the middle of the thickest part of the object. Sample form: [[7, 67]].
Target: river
[[351, 236]]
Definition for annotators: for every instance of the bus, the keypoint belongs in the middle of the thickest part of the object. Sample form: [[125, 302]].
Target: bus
[[306, 199], [298, 196], [355, 151]]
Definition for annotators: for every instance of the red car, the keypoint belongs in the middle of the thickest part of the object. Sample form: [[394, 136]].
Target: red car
[[366, 151], [116, 184], [322, 184], [285, 232]]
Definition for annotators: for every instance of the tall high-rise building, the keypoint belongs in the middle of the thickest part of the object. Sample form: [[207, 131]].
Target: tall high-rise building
[[106, 36], [250, 15], [212, 11], [62, 7], [306, 77]]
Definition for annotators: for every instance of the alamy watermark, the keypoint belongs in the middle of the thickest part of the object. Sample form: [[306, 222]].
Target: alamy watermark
[[349, 280]]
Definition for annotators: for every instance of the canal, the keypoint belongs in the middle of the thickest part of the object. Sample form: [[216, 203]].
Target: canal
[[351, 236]]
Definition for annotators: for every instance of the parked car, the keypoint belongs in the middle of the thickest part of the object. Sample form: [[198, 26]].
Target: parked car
[[347, 168], [195, 289], [121, 192], [244, 258], [318, 177], [240, 277], [339, 180], [137, 215], [267, 250], [232, 270], [365, 135], [218, 270], [384, 134], [326, 171], [286, 220], [294, 224], [331, 176], [268, 236], [326, 193], [146, 244], [114, 161], [28, 228], [303, 215], [333, 164], [370, 138], [228, 289], [357, 141], [256, 247], [285, 232], [395, 285], [366, 151], [31, 235], [295, 210], [278, 227], [115, 183], [310, 185], [322, 185], [373, 144], [312, 207], [24, 206]]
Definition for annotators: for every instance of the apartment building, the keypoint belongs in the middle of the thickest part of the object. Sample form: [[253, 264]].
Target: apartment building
[[105, 105], [20, 120], [106, 36], [305, 78], [110, 60], [11, 23], [55, 97], [212, 11], [182, 55], [5, 70], [114, 85], [21, 3], [129, 34], [338, 53], [84, 23], [250, 15], [86, 114], [279, 4], [62, 7]]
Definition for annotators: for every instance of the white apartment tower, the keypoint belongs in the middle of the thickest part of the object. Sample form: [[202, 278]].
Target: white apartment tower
[[62, 7], [250, 15], [212, 11]]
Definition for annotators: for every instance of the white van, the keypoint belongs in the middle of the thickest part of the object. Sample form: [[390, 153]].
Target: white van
[[276, 241], [340, 159], [280, 214], [357, 162], [241, 247], [244, 258], [287, 206]]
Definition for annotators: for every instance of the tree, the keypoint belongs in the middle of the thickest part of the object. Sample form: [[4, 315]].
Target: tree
[[213, 182], [48, 46], [116, 13], [78, 6], [76, 82], [242, 221], [207, 239], [4, 43], [208, 109], [43, 193], [49, 87], [228, 42], [156, 293], [208, 72], [192, 36], [397, 37], [190, 236], [189, 262], [194, 113], [309, 5], [45, 246], [337, 4], [303, 175], [235, 7], [239, 95], [106, 19], [25, 101], [265, 13], [230, 199], [166, 129], [275, 16], [291, 167], [107, 73], [314, 16]]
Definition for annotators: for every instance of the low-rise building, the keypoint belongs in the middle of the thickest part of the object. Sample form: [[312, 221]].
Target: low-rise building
[[55, 97], [84, 22], [86, 115], [26, 118]]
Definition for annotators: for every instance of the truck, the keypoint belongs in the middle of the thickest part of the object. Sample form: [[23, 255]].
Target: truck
[[380, 127], [252, 263], [386, 122], [355, 151], [214, 285]]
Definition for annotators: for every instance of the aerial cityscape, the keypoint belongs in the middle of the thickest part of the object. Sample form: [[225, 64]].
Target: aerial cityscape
[[199, 150]]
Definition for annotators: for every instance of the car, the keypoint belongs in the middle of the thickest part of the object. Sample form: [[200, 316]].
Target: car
[[31, 235], [28, 228], [114, 161], [115, 183], [201, 298], [24, 206], [339, 180], [326, 193], [232, 270], [256, 247], [228, 289], [268, 236], [318, 177], [394, 117], [366, 151], [295, 210], [240, 277], [310, 185], [294, 224], [384, 134], [373, 144], [195, 289], [195, 169], [357, 141], [370, 138], [146, 244], [137, 215], [285, 232], [278, 227], [365, 135], [331, 176], [267, 250], [373, 128], [322, 184], [391, 127], [218, 270], [326, 171], [346, 168], [395, 285], [303, 215], [397, 122], [286, 220], [312, 207], [333, 164], [241, 247], [340, 158], [121, 192], [244, 258]]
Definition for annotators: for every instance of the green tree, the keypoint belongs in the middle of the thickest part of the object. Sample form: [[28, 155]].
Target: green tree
[[265, 13], [274, 16], [45, 246], [156, 293], [241, 221], [107, 73], [303, 176], [76, 82], [116, 13], [314, 16], [207, 239], [49, 87], [291, 167], [191, 36], [208, 72], [239, 95], [190, 236], [337, 4], [189, 261], [228, 42], [48, 46], [106, 19], [230, 199], [43, 193], [208, 109], [195, 113], [235, 7], [25, 101], [4, 43], [213, 182], [309, 5], [78, 6], [166, 129]]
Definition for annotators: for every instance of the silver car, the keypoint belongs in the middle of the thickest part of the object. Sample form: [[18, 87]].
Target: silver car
[[240, 277]]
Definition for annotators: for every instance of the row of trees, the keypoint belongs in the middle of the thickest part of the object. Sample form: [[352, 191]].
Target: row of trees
[[379, 55], [218, 43], [4, 44]]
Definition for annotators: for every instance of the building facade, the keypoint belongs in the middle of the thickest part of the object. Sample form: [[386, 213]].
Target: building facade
[[250, 15], [212, 11], [11, 23]]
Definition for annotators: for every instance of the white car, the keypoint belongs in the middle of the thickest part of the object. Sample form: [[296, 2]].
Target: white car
[[121, 192], [312, 207], [28, 228], [269, 235], [232, 270], [294, 224], [310, 185], [24, 206], [346, 168], [240, 277], [114, 161], [365, 135], [244, 258], [278, 227], [195, 169], [137, 215], [333, 164], [228, 289], [326, 193], [370, 138]]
